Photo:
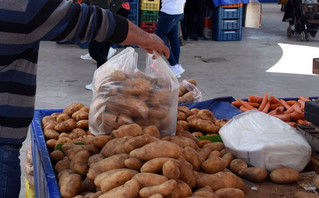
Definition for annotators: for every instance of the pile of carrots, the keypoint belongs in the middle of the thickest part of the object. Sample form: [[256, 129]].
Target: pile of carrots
[[290, 111]]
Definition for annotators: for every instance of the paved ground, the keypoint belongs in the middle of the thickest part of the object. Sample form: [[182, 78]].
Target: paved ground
[[265, 60]]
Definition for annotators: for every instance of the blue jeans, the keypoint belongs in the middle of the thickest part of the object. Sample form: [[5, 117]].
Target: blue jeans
[[10, 171], [167, 27]]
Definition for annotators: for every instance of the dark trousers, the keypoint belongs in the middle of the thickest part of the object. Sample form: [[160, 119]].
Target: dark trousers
[[195, 10], [99, 50]]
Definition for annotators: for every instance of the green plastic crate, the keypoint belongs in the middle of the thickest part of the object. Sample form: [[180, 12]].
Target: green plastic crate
[[149, 15]]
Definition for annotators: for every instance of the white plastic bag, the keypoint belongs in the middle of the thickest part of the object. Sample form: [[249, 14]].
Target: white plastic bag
[[122, 94], [265, 141], [192, 88]]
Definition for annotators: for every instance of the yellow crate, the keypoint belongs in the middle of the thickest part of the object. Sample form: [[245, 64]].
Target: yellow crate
[[29, 189], [150, 5]]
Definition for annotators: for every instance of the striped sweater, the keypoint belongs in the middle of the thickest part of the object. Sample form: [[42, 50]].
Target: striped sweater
[[23, 24]]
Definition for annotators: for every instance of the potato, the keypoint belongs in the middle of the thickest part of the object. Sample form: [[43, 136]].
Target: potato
[[220, 180], [127, 105], [129, 129], [82, 115], [92, 149], [72, 151], [171, 169], [181, 116], [65, 126], [51, 134], [228, 157], [156, 196], [62, 117], [49, 125], [229, 193], [237, 165], [69, 110], [70, 186], [99, 178], [301, 194], [185, 110], [133, 163], [116, 179], [109, 163], [204, 152], [99, 140], [79, 162], [215, 146], [136, 86], [193, 157], [253, 174], [213, 165], [128, 190], [315, 181], [154, 165], [83, 124], [205, 191], [93, 195], [284, 175], [206, 114], [136, 142], [149, 179], [51, 143], [152, 130], [182, 189], [187, 174], [183, 142], [157, 149], [164, 189], [114, 146], [62, 165], [56, 156], [95, 158]]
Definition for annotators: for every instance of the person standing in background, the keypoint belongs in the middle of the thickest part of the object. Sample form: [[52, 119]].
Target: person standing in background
[[99, 50], [167, 28], [195, 9]]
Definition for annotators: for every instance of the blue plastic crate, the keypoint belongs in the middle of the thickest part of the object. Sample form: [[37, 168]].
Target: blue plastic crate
[[227, 13], [45, 181], [227, 35], [134, 11], [228, 24]]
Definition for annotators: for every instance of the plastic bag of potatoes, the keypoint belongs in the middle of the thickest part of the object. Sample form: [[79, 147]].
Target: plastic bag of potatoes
[[122, 94]]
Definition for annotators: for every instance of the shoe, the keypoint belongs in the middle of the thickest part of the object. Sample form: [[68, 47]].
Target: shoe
[[111, 53], [89, 87], [177, 69], [178, 76], [86, 57]]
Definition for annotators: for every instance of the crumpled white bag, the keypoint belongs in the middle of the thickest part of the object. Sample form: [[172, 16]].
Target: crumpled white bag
[[265, 141]]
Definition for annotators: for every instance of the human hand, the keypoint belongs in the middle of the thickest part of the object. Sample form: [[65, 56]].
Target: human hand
[[155, 43]]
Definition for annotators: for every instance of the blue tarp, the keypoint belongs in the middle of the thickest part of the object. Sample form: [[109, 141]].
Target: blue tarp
[[228, 2]]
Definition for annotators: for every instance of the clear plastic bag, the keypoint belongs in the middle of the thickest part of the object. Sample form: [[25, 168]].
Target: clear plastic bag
[[192, 88], [265, 141], [122, 94]]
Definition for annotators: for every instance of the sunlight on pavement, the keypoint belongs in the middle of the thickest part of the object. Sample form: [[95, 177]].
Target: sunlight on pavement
[[296, 59]]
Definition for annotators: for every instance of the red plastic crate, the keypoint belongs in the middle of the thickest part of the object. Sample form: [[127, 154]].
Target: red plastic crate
[[148, 26], [237, 5]]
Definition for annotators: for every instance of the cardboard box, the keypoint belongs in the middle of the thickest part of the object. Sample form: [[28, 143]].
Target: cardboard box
[[315, 66], [253, 15]]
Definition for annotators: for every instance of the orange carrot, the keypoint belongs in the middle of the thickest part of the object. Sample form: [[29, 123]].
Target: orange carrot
[[302, 104], [236, 103], [266, 109], [284, 104], [278, 110], [307, 122], [244, 108], [264, 102], [273, 100], [245, 104], [293, 124], [254, 98], [274, 106], [254, 104], [291, 102], [283, 117], [304, 98], [295, 107], [296, 116]]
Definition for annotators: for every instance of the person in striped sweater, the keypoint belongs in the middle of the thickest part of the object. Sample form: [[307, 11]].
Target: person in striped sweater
[[23, 24]]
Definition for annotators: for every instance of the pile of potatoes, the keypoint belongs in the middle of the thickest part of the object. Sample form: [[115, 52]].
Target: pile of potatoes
[[199, 122], [125, 98], [188, 91], [66, 126], [135, 161]]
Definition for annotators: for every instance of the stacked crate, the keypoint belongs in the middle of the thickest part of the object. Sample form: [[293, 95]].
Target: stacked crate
[[149, 11], [227, 23]]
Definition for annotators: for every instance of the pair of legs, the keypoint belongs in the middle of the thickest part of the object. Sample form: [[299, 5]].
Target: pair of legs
[[10, 171], [99, 51], [195, 9], [167, 29]]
